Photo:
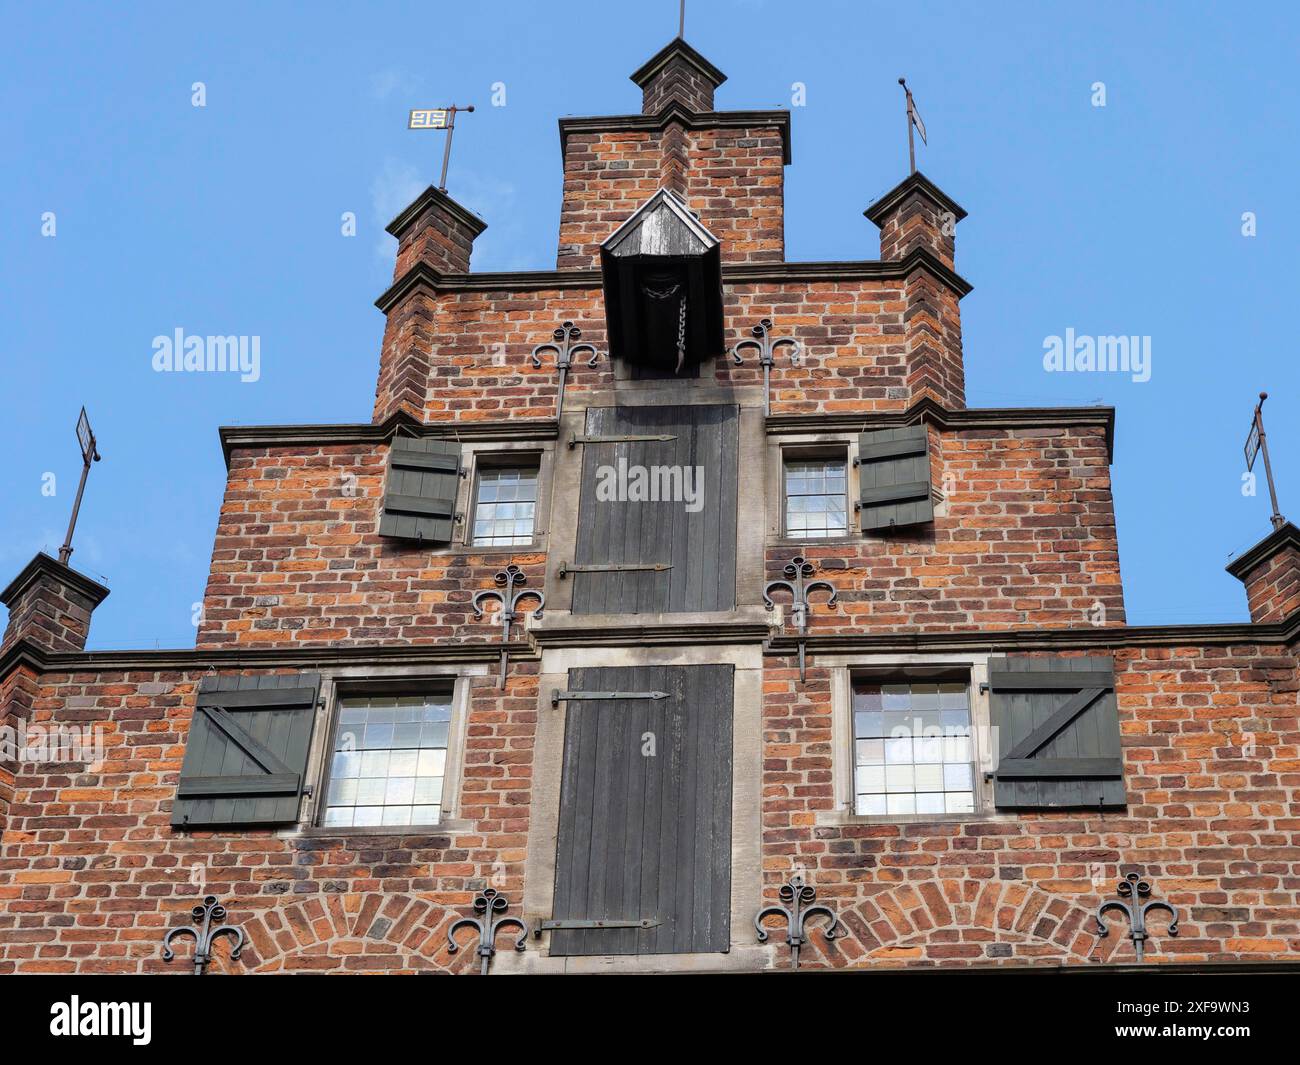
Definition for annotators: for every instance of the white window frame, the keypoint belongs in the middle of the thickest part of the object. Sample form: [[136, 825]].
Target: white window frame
[[380, 681], [900, 669]]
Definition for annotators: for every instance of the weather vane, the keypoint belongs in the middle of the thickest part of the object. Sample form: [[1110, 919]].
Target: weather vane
[[89, 454], [438, 118], [1257, 441], [913, 119]]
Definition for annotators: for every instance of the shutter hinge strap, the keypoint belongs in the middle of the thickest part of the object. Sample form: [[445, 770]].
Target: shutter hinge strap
[[558, 696], [557, 924], [613, 567], [575, 440]]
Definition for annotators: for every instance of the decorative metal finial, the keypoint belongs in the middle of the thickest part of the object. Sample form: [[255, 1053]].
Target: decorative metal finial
[[89, 453], [797, 569], [1132, 889], [509, 599], [564, 346], [1257, 441], [205, 935], [797, 898], [487, 906], [766, 346]]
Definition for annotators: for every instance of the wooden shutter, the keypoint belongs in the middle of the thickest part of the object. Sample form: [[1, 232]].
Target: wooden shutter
[[894, 477], [420, 493], [646, 835], [247, 751], [699, 548], [1058, 733]]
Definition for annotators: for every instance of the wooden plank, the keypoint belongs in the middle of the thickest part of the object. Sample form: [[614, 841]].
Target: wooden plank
[[1059, 768]]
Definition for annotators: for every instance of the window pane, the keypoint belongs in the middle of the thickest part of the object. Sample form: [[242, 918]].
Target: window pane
[[395, 777], [815, 503], [912, 743], [504, 506]]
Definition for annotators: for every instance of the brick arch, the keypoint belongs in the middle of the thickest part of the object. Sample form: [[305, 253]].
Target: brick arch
[[358, 932], [963, 922]]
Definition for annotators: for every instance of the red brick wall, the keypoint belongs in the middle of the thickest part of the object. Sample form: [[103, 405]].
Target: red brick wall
[[92, 874], [1212, 762], [298, 560], [867, 346], [1273, 587], [734, 180], [1028, 541]]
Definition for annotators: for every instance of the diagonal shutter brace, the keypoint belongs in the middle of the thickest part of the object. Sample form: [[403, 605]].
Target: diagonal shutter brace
[[558, 696]]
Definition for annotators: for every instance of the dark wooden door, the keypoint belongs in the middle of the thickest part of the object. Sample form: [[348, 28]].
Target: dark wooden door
[[696, 541], [645, 812]]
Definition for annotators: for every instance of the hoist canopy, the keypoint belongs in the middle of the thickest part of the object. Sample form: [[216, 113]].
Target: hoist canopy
[[662, 275]]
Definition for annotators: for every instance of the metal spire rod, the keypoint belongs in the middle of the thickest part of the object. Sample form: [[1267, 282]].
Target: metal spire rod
[[89, 454], [438, 118], [681, 20], [1259, 439], [913, 120]]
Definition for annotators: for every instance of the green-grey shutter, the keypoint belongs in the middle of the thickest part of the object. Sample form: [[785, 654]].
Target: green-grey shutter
[[247, 751], [894, 478], [645, 833], [420, 492], [696, 547], [1057, 733]]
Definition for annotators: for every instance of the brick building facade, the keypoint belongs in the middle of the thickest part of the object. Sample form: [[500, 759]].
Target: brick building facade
[[961, 752]]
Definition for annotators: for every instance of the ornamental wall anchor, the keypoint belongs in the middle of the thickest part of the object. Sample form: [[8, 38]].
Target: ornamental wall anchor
[[1132, 890], [509, 599], [766, 346], [796, 895], [564, 346], [487, 906], [205, 935], [796, 570]]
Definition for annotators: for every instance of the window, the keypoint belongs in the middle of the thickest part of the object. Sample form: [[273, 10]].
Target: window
[[389, 760], [815, 500], [505, 506], [912, 748]]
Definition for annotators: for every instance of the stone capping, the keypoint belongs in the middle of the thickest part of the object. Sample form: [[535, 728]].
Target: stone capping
[[248, 437], [433, 197], [914, 182], [423, 276], [675, 112], [44, 565], [25, 653], [1283, 633], [930, 411], [677, 48], [1287, 536]]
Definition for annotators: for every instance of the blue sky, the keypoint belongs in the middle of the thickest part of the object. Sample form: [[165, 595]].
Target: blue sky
[[225, 219]]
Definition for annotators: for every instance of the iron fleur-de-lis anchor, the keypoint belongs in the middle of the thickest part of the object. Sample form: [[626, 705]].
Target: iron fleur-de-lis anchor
[[765, 344], [797, 900], [797, 569], [488, 905], [506, 581], [204, 934], [1132, 890], [565, 347]]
